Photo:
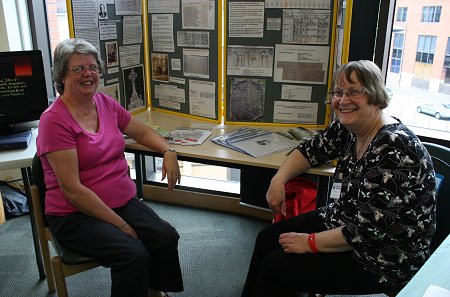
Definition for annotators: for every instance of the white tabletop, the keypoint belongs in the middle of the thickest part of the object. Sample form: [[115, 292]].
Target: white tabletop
[[214, 152], [19, 158], [436, 271]]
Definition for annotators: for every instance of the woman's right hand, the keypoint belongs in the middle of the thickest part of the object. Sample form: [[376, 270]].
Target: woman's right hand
[[129, 230], [275, 197]]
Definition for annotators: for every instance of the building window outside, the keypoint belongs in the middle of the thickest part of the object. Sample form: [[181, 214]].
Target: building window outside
[[425, 49], [447, 55], [447, 62], [419, 53], [397, 52], [431, 14], [58, 24], [401, 14]]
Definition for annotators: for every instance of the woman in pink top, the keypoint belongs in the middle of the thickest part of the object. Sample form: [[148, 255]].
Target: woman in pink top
[[90, 199]]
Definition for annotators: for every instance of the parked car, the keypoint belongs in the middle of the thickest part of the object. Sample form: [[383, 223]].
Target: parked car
[[390, 93], [438, 110]]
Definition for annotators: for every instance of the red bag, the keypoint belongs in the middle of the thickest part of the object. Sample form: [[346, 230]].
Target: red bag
[[300, 197]]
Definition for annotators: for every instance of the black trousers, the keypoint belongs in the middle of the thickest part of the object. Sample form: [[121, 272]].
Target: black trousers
[[272, 272], [151, 261]]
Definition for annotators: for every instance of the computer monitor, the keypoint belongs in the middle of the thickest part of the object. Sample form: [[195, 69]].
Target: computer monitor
[[23, 93]]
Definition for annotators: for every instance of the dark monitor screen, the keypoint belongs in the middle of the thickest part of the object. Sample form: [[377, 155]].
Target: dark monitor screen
[[23, 93]]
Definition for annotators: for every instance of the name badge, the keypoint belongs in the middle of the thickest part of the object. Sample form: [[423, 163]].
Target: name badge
[[336, 191]]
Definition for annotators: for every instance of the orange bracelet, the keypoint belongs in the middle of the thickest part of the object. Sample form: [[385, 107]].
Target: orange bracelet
[[312, 243]]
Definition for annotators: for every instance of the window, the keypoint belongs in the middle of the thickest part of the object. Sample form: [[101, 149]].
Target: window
[[414, 78], [401, 14], [58, 24], [447, 63], [425, 49], [431, 14], [447, 55], [209, 178], [397, 52]]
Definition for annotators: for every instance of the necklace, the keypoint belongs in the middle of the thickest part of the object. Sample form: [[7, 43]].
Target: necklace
[[362, 149]]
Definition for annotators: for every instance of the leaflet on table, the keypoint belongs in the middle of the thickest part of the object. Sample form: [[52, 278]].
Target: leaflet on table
[[254, 141], [264, 145], [189, 136], [162, 131], [239, 134], [298, 134]]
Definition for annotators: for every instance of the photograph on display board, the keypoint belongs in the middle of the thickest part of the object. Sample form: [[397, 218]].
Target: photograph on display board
[[112, 57], [196, 63], [134, 87], [102, 13], [247, 99], [111, 90], [160, 67]]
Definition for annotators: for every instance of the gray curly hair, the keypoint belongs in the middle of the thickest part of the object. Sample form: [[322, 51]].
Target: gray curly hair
[[369, 75], [63, 51]]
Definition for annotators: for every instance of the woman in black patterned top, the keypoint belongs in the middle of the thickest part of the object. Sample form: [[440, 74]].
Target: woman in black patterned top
[[376, 233]]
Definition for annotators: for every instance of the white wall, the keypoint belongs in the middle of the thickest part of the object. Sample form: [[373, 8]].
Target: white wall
[[15, 34]]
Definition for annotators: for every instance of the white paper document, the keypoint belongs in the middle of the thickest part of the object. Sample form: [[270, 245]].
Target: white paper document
[[202, 98], [163, 6], [246, 19], [250, 60], [264, 145], [436, 291], [189, 136], [301, 63], [132, 29], [198, 14], [162, 33], [306, 26], [295, 112]]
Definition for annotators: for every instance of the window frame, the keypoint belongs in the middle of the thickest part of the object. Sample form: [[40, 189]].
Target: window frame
[[447, 55], [402, 14], [426, 47], [397, 51], [431, 14]]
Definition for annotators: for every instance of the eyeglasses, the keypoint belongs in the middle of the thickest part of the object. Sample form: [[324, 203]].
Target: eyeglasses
[[352, 93], [93, 68]]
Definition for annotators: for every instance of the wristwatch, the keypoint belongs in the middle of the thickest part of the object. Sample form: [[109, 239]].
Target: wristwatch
[[169, 150]]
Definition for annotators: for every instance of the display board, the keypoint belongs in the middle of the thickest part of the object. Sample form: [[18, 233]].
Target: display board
[[279, 61], [115, 28], [185, 57]]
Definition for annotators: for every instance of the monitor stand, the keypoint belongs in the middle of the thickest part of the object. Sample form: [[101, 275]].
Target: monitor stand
[[17, 128]]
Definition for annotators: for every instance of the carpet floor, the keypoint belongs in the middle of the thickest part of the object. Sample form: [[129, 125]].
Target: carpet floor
[[215, 250]]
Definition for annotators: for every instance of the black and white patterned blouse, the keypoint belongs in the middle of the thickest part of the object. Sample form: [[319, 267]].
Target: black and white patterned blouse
[[387, 200]]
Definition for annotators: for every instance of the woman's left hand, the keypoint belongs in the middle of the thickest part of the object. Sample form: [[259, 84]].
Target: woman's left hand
[[171, 169], [296, 243]]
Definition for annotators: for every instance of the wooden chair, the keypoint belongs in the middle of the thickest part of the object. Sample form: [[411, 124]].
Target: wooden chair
[[66, 262]]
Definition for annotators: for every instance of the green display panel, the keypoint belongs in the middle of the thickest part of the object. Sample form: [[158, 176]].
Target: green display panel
[[185, 57], [279, 55]]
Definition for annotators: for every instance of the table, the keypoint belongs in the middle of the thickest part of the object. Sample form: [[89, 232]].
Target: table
[[23, 158], [213, 154], [436, 271]]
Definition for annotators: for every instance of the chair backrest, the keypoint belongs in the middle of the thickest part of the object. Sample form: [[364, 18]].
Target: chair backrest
[[441, 162], [38, 179]]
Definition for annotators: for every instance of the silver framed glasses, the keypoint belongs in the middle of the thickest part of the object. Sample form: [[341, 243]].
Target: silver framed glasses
[[351, 93], [93, 68]]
